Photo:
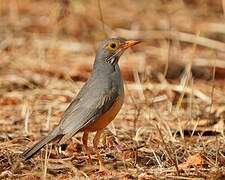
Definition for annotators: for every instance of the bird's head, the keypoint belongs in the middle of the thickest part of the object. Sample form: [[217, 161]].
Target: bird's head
[[110, 50]]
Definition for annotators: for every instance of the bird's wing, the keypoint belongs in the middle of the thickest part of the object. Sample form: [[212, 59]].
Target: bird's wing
[[87, 109], [74, 103]]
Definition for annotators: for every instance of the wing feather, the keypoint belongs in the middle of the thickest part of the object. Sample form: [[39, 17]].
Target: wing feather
[[85, 109]]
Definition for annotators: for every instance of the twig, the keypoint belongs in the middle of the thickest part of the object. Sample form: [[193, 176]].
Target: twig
[[181, 36], [177, 88]]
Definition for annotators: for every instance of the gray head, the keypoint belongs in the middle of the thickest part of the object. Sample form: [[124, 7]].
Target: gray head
[[110, 50]]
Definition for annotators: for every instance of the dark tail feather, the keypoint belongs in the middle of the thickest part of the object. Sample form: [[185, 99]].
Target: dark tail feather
[[35, 148]]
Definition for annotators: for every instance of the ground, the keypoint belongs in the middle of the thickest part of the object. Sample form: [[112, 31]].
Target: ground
[[171, 125]]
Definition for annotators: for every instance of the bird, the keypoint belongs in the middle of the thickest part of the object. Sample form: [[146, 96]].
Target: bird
[[97, 103]]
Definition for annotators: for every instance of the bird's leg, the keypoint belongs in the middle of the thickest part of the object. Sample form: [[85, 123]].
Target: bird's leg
[[86, 148], [95, 144]]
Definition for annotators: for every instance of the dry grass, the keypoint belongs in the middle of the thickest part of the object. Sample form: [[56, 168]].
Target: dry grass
[[172, 123]]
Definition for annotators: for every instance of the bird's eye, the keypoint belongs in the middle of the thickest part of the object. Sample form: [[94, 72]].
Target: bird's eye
[[113, 45]]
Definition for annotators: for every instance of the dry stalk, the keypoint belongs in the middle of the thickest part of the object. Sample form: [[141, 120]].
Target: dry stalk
[[223, 6], [187, 76], [102, 18], [168, 152], [213, 88]]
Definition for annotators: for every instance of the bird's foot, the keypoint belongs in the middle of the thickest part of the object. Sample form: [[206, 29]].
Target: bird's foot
[[101, 166], [103, 170], [89, 151], [90, 159]]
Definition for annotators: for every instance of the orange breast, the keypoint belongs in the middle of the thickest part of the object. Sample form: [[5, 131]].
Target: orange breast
[[105, 118]]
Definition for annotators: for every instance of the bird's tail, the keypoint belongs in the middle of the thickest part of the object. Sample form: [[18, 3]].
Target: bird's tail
[[35, 148]]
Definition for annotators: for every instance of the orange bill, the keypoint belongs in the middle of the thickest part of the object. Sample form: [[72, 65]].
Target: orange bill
[[129, 43]]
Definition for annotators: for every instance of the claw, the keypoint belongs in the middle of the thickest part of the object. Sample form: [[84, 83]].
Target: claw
[[101, 165]]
